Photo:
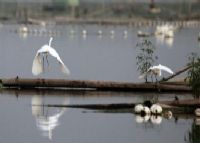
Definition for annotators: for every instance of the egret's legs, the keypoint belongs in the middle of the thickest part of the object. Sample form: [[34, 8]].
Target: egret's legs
[[156, 78], [43, 62], [157, 82], [47, 61], [151, 78]]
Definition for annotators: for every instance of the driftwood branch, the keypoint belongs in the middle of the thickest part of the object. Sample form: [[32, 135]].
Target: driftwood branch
[[183, 103], [177, 73]]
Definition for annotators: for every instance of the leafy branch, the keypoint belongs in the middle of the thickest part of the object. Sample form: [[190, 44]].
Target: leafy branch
[[193, 74], [145, 59]]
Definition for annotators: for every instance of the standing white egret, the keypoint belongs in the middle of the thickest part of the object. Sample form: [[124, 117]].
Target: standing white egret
[[112, 34], [156, 71], [125, 33], [38, 62]]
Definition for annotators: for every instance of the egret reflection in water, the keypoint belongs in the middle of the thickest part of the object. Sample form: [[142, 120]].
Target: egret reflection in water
[[161, 39], [47, 118], [165, 34]]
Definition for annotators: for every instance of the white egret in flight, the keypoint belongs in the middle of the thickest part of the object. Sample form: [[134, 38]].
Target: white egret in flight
[[156, 71], [44, 51]]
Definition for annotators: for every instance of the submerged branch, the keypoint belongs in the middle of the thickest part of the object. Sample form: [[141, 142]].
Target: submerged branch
[[192, 103]]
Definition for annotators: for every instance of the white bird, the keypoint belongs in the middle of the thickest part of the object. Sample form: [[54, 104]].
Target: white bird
[[142, 34], [146, 110], [169, 34], [143, 110], [84, 32], [112, 32], [156, 109], [125, 32], [23, 29], [100, 32], [38, 62], [156, 70], [139, 108]]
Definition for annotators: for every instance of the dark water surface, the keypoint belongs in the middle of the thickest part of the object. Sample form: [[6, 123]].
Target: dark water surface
[[91, 57], [22, 121]]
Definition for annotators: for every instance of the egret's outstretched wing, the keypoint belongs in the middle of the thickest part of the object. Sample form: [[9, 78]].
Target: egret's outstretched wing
[[64, 68], [166, 69], [37, 65]]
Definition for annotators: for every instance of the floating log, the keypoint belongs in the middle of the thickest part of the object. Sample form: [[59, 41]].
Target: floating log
[[91, 85]]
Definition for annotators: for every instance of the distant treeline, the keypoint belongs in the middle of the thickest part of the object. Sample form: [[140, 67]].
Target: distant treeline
[[76, 9]]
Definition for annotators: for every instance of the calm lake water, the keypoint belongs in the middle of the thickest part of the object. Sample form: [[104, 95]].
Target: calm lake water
[[22, 121], [92, 57], [109, 57]]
